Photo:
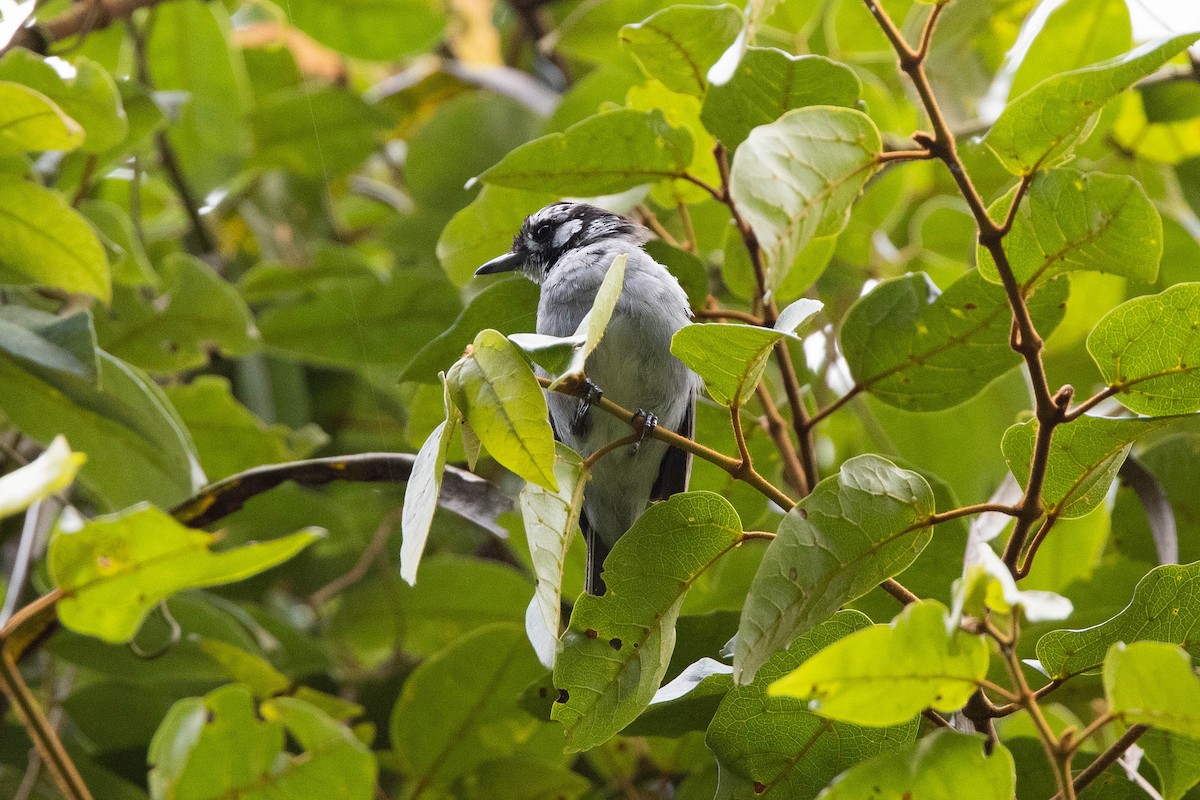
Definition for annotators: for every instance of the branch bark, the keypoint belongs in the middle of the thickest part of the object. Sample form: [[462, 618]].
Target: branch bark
[[79, 20]]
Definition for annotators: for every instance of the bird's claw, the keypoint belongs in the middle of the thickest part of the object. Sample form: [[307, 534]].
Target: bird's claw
[[593, 396], [645, 422]]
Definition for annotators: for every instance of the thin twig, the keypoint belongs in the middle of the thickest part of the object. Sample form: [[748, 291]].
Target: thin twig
[[793, 470], [652, 222], [374, 549], [822, 413], [615, 444], [689, 231], [1105, 760], [728, 313]]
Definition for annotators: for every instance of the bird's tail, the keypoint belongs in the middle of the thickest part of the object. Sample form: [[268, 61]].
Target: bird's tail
[[597, 551]]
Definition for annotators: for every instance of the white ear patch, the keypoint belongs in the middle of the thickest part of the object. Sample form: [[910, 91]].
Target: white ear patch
[[566, 231]]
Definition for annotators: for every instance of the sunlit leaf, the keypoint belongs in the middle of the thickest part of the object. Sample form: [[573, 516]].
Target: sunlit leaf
[[113, 570], [1165, 608], [90, 98], [617, 647], [1152, 683], [857, 528], [1040, 127], [678, 44], [769, 743], [1149, 351], [32, 122], [917, 349], [244, 667], [500, 397], [942, 766], [887, 674], [830, 154]]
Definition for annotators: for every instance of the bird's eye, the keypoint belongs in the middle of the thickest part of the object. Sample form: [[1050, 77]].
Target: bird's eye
[[542, 230]]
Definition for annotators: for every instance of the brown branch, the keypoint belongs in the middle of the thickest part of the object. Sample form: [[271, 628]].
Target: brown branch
[[631, 439], [899, 591], [728, 313], [1093, 401], [978, 508], [1105, 760], [777, 426], [821, 414], [800, 420], [79, 20]]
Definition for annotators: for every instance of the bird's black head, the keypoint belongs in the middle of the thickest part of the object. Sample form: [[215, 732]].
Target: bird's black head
[[547, 235]]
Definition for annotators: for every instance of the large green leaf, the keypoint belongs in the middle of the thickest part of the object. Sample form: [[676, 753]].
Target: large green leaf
[[776, 747], [459, 709], [769, 82], [1176, 759], [1072, 220], [324, 133], [227, 435], [731, 357], [485, 229], [919, 350], [551, 520], [44, 241], [1152, 683], [376, 30], [942, 766], [32, 122], [829, 155], [188, 49], [887, 674], [113, 570], [1084, 459], [90, 98], [857, 528], [196, 313], [1165, 608], [617, 647], [127, 255], [504, 405], [604, 154], [138, 448], [1040, 127], [222, 746], [1108, 34], [678, 44], [1148, 349]]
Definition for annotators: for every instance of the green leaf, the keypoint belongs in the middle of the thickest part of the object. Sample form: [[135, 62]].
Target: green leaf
[[1072, 220], [245, 667], [508, 305], [421, 495], [769, 82], [1152, 683], [189, 49], [375, 30], [1109, 34], [1084, 459], [942, 766], [485, 229], [678, 44], [436, 741], [49, 473], [63, 347], [196, 312], [229, 438], [887, 674], [90, 98], [114, 569], [551, 519], [768, 745], [1040, 127], [857, 528], [32, 122], [130, 264], [221, 746], [138, 448], [44, 241], [525, 779], [501, 399], [731, 357], [604, 154], [1175, 758], [1148, 350], [617, 646], [1165, 608], [830, 154], [919, 350], [323, 133]]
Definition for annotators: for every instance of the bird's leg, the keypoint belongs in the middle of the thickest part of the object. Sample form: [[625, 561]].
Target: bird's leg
[[592, 397], [644, 422]]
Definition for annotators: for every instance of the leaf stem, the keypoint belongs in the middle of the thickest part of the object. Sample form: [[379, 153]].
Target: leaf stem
[[728, 313], [822, 413], [604, 450]]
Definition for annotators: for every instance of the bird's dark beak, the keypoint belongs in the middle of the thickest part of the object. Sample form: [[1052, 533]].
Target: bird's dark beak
[[505, 263]]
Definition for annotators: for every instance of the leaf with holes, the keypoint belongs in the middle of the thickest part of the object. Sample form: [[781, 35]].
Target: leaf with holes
[[921, 350], [617, 646], [1165, 608], [1148, 350], [828, 154], [857, 528], [1041, 126], [773, 746], [887, 674]]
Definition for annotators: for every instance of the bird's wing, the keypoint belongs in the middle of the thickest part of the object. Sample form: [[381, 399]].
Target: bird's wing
[[676, 468]]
